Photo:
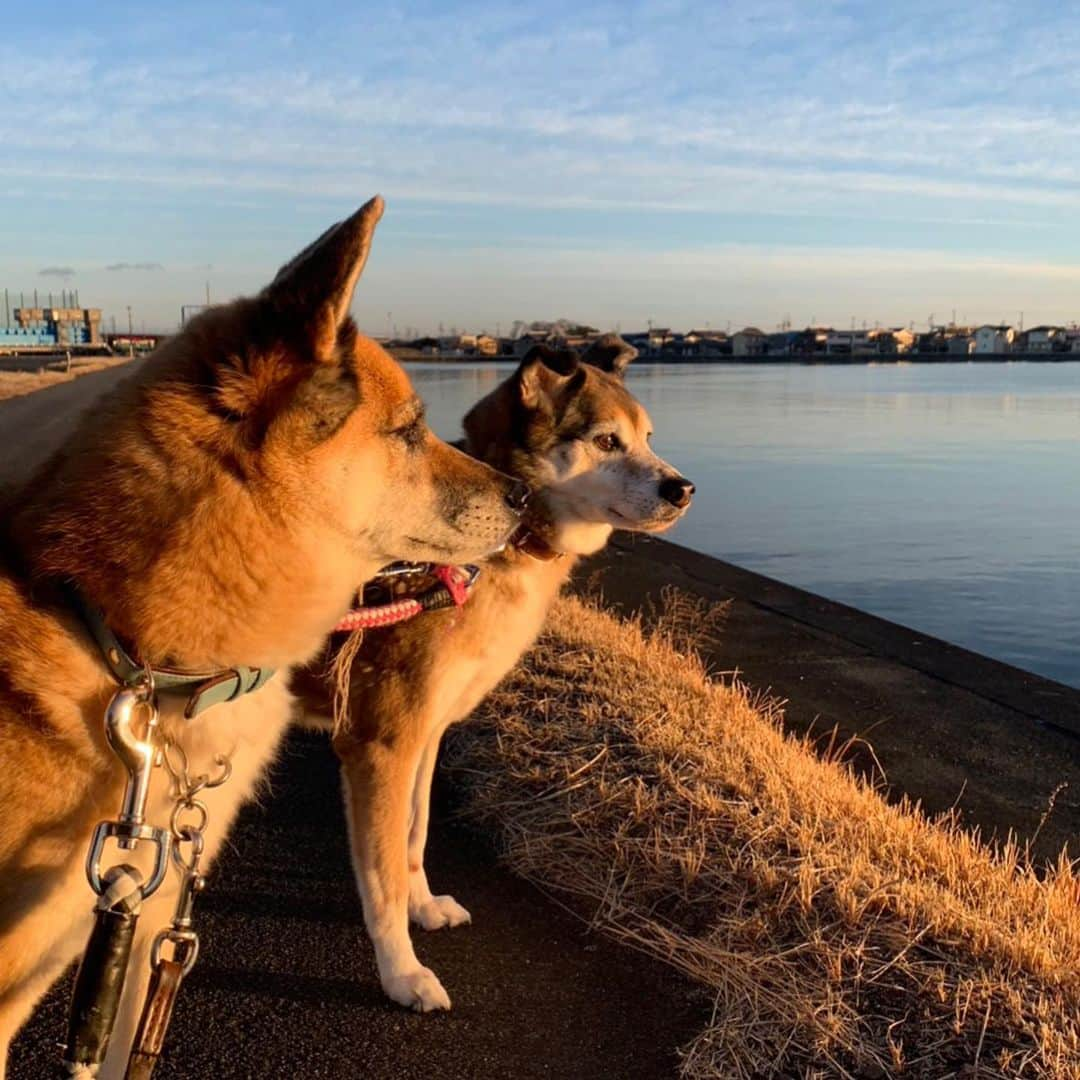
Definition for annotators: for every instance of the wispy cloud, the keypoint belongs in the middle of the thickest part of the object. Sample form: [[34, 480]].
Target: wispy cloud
[[57, 271], [831, 124]]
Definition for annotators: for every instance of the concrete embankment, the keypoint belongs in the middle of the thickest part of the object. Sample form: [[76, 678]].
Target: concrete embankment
[[948, 727], [287, 982]]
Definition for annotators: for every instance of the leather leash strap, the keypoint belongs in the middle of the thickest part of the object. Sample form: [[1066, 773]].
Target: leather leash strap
[[154, 1022]]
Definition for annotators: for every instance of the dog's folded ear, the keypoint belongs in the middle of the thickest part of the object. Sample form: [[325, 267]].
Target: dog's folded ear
[[609, 353], [544, 373], [316, 288]]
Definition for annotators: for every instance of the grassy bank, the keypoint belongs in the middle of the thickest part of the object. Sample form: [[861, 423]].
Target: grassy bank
[[17, 383], [838, 935]]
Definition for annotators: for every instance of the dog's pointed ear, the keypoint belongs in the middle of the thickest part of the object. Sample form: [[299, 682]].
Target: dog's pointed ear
[[609, 353], [544, 373], [316, 287]]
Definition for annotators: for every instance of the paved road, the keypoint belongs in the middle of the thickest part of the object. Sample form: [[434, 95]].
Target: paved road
[[33, 425], [286, 986]]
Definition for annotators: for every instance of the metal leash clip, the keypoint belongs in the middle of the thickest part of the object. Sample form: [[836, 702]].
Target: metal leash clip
[[137, 756], [122, 888]]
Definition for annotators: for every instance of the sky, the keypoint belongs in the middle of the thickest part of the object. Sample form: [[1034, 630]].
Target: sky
[[613, 163]]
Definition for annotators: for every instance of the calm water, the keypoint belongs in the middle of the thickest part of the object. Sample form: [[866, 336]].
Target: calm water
[[945, 497]]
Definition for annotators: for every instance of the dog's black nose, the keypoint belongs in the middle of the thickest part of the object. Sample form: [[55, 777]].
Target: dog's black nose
[[677, 490], [517, 498]]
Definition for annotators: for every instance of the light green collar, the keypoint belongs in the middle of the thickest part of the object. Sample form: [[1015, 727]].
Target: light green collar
[[203, 688]]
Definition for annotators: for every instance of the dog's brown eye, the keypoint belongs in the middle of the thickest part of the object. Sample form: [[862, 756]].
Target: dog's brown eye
[[607, 442], [412, 435]]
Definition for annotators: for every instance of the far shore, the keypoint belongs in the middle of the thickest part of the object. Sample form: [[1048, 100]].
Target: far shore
[[415, 356]]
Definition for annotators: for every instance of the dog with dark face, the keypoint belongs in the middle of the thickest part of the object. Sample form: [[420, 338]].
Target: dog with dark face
[[218, 512], [575, 434]]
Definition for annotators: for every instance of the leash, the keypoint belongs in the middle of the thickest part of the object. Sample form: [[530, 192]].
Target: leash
[[187, 825], [120, 890]]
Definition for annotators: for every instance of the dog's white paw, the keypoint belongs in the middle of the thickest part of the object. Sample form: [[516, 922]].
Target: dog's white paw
[[419, 990], [435, 912]]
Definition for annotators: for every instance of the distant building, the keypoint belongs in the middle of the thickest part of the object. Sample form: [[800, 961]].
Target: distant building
[[748, 342], [702, 345], [1044, 339], [486, 345], [959, 340], [36, 328], [854, 343], [994, 339], [892, 342], [789, 343]]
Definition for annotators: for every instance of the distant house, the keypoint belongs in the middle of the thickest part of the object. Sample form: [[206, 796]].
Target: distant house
[[527, 339], [851, 343], [486, 345], [959, 341], [748, 342], [787, 343], [1044, 339], [994, 339], [892, 342], [704, 345], [930, 342], [659, 338]]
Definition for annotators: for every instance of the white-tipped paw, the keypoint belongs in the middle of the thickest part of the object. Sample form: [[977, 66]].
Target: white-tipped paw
[[419, 990], [435, 912]]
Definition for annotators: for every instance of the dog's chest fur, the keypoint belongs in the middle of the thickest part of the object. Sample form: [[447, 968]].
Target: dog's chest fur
[[486, 638]]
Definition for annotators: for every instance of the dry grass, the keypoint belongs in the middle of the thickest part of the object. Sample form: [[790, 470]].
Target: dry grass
[[839, 935], [17, 383]]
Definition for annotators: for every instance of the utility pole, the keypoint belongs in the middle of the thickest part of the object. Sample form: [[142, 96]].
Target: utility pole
[[131, 344], [208, 294]]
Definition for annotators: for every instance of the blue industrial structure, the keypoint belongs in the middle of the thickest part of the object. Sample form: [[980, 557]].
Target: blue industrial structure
[[46, 329]]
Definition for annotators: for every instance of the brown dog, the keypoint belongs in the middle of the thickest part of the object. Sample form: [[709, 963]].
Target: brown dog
[[220, 510], [578, 437]]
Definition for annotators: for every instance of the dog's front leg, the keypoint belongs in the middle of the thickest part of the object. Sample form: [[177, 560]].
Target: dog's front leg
[[430, 912], [378, 782]]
